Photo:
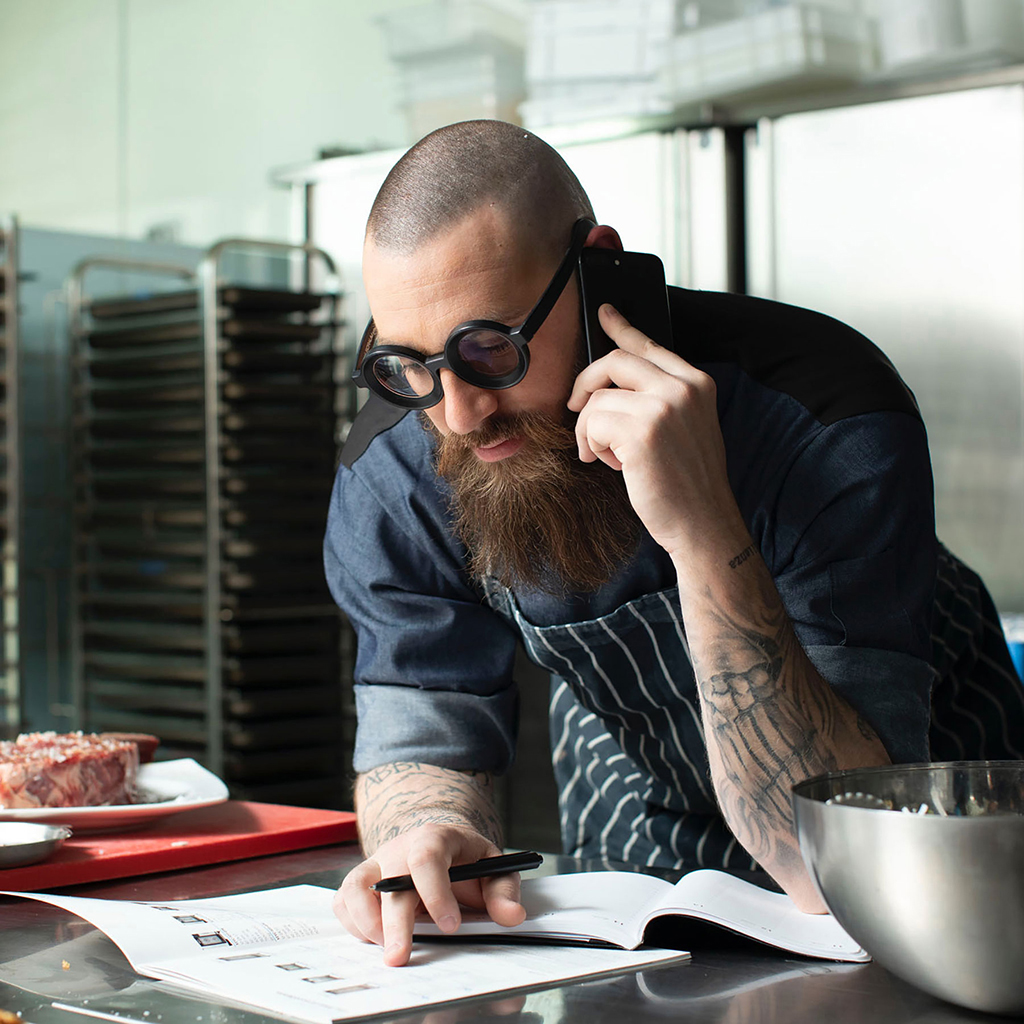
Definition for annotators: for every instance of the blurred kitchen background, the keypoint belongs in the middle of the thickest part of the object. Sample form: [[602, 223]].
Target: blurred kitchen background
[[183, 189]]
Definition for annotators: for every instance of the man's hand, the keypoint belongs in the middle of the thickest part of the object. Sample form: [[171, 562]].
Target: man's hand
[[420, 820], [649, 413], [426, 853]]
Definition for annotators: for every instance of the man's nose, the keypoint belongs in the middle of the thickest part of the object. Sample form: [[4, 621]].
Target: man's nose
[[465, 406]]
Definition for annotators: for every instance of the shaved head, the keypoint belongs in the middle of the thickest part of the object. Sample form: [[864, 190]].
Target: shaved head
[[456, 170], [470, 224]]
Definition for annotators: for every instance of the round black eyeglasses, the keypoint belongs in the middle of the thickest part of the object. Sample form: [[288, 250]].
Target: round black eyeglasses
[[483, 353]]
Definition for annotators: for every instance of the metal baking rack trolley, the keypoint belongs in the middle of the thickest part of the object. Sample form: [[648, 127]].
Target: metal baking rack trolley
[[10, 479], [205, 430]]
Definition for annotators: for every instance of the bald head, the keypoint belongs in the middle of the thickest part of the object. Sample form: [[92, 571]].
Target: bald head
[[462, 167]]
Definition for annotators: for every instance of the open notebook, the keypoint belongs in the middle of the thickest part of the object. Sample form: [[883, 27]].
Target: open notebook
[[615, 908]]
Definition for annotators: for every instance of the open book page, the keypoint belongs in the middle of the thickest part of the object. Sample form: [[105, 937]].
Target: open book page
[[611, 906], [282, 951], [341, 978], [765, 916], [616, 907]]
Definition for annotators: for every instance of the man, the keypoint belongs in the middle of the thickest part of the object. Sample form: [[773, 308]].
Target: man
[[725, 554]]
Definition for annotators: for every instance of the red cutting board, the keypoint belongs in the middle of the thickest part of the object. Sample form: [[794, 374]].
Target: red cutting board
[[207, 835]]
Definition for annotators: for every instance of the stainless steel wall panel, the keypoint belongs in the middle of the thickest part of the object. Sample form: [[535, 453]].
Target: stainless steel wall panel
[[906, 220], [708, 210]]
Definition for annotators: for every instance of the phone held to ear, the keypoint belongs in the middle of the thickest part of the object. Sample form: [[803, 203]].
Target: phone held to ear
[[634, 283]]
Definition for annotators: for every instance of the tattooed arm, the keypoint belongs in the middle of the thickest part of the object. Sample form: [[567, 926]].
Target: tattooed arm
[[405, 795], [770, 719], [418, 819]]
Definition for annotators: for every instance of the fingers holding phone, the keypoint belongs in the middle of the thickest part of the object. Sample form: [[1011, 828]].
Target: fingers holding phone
[[645, 411]]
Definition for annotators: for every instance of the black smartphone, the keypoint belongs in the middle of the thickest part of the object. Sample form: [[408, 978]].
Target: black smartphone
[[634, 283]]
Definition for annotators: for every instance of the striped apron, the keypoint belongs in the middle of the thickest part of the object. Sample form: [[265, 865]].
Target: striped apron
[[627, 742], [978, 700]]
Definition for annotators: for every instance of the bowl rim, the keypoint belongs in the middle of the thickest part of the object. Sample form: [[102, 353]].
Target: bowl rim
[[917, 767]]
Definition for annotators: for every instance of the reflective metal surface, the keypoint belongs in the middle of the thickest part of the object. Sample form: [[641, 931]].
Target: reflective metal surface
[[904, 219], [23, 842], [56, 969], [936, 893]]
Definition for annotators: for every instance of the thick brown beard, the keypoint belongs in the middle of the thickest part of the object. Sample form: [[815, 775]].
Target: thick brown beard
[[540, 518]]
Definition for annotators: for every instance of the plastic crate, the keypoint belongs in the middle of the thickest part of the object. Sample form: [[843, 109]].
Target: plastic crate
[[570, 102], [458, 86], [447, 24], [493, 72], [798, 44], [456, 60], [924, 35], [575, 40]]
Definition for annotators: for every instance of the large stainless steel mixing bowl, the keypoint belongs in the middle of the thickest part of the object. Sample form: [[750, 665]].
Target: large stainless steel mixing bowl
[[936, 897]]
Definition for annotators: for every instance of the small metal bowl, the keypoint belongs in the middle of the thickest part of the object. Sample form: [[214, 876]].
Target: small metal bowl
[[924, 866], [23, 842]]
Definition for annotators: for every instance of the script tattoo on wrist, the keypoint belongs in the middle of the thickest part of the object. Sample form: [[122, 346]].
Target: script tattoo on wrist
[[405, 795], [739, 559]]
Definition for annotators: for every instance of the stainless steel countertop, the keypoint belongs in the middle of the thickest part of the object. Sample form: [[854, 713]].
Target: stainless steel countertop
[[724, 982]]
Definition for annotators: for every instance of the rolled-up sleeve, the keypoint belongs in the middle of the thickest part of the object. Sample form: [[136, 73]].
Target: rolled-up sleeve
[[433, 671], [855, 563]]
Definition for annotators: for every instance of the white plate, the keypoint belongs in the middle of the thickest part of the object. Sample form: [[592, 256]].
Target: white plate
[[166, 787]]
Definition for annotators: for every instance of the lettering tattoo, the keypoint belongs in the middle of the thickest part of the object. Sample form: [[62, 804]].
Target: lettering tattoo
[[404, 795], [741, 557]]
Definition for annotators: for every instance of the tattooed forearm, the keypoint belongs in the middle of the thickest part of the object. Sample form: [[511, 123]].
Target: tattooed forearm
[[770, 729], [395, 798], [770, 720]]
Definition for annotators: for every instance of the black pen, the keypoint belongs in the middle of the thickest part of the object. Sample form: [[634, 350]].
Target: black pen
[[503, 865]]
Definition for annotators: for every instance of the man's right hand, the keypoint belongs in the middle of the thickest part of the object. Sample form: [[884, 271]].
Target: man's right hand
[[426, 853]]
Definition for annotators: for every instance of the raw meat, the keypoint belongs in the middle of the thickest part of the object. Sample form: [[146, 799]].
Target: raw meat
[[49, 769], [146, 743]]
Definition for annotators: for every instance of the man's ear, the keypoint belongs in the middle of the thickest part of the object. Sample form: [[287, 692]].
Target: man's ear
[[603, 237]]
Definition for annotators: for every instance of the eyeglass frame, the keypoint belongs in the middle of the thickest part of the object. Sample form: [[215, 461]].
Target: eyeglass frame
[[449, 359]]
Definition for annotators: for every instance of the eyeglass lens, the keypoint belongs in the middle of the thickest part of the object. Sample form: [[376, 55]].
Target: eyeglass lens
[[488, 354], [404, 376]]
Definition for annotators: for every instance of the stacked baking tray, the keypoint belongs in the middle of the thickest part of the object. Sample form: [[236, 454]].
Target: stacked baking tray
[[205, 446], [10, 490]]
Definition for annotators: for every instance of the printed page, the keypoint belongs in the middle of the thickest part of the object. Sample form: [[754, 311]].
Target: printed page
[[769, 917], [282, 951], [609, 905], [148, 933], [340, 978]]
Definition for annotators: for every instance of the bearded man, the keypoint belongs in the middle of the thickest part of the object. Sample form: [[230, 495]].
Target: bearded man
[[725, 554]]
